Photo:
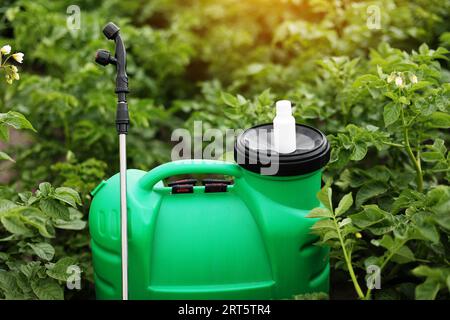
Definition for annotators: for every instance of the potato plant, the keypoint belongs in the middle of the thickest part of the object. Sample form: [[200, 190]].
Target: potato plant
[[34, 265], [28, 223]]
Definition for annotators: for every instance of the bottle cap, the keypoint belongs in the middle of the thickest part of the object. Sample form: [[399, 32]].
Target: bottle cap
[[283, 108]]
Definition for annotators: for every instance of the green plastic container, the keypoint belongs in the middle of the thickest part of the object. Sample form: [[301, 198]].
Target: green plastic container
[[252, 241]]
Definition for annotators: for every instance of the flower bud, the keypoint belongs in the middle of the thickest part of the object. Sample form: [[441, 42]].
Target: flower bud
[[18, 57], [391, 77], [6, 49], [399, 82]]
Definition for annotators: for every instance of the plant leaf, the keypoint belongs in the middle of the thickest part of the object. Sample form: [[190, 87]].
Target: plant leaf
[[359, 151], [15, 225], [43, 250], [59, 269], [54, 209], [369, 191], [345, 204], [420, 85], [427, 290], [331, 234], [47, 289], [5, 156], [439, 120], [324, 196], [403, 255], [45, 188], [323, 224], [70, 225], [15, 120], [6, 205], [443, 219], [391, 113], [229, 99], [8, 284], [431, 156], [36, 218], [370, 216], [68, 196], [319, 213], [426, 228]]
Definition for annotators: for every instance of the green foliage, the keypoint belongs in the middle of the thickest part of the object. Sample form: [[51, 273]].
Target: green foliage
[[416, 232], [83, 177], [31, 264], [436, 280], [11, 119]]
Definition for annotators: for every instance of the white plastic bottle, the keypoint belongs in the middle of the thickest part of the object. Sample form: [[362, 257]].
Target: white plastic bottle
[[284, 128]]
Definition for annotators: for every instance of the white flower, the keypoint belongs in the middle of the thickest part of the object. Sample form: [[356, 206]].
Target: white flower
[[399, 81], [18, 57], [413, 78], [6, 49], [391, 77]]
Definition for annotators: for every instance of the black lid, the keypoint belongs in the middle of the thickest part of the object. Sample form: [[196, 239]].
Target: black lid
[[254, 151]]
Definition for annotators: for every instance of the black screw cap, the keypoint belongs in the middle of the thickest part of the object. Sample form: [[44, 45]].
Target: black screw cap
[[110, 30]]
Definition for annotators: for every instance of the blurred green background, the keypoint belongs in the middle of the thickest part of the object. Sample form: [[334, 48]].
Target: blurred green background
[[224, 62], [181, 56]]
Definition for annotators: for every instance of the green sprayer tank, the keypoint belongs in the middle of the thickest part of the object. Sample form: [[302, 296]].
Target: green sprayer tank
[[244, 238]]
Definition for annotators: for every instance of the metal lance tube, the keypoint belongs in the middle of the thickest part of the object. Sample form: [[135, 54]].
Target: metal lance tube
[[122, 122], [123, 213]]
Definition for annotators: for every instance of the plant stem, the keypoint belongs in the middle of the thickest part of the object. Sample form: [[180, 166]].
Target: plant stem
[[4, 61], [348, 261], [416, 162], [389, 257]]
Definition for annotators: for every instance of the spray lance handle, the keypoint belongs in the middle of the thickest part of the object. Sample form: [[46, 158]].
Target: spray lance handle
[[104, 57]]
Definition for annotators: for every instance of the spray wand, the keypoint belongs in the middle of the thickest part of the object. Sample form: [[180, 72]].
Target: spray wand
[[104, 57]]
